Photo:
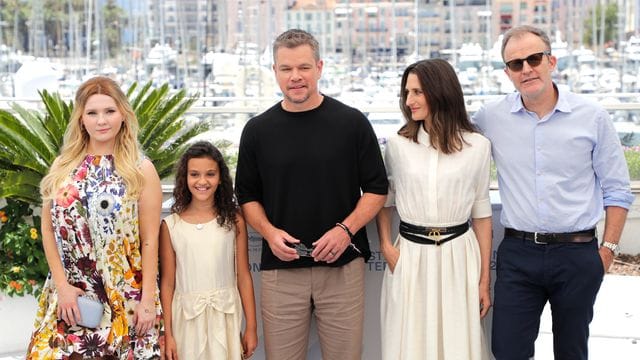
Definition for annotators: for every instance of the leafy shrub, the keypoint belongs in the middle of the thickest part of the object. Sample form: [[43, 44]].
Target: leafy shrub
[[632, 154], [23, 267]]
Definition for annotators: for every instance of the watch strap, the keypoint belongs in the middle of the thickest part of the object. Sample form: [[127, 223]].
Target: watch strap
[[611, 246]]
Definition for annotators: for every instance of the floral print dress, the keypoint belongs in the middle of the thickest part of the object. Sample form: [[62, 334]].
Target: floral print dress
[[96, 230]]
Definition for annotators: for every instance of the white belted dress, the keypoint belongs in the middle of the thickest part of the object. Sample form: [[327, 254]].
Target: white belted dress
[[430, 306], [207, 311]]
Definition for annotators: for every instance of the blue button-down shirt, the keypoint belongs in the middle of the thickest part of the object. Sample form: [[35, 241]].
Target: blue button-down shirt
[[556, 174]]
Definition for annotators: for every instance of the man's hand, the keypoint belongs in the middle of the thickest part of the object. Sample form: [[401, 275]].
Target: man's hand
[[278, 240], [607, 258], [331, 245]]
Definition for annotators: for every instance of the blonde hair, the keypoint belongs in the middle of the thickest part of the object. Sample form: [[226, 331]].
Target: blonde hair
[[126, 153]]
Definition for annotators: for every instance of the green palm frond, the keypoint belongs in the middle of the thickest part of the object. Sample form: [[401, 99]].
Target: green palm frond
[[163, 133], [29, 142], [147, 111], [58, 115], [21, 185], [21, 145], [141, 94], [131, 90], [165, 163], [25, 136], [172, 111]]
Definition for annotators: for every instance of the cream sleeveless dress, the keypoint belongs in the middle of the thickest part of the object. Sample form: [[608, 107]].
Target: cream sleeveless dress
[[206, 303]]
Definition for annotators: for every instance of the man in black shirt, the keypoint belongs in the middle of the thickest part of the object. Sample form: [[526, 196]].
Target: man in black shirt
[[310, 176]]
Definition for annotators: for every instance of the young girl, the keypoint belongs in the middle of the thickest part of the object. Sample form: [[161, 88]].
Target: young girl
[[204, 264]]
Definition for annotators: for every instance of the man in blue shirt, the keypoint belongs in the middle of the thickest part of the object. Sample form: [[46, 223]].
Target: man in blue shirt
[[559, 164]]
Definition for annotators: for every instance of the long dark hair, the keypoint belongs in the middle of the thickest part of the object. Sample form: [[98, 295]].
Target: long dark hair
[[223, 199], [448, 117]]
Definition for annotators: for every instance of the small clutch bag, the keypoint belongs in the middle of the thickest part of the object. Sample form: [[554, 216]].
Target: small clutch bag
[[90, 311]]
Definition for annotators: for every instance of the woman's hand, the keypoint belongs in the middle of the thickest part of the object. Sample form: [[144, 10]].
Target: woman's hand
[[485, 298], [68, 303], [249, 343], [391, 255], [145, 316]]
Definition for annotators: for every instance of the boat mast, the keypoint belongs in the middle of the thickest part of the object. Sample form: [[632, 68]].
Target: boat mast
[[37, 41], [88, 5]]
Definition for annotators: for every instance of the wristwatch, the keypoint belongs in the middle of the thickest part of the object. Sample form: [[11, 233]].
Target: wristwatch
[[611, 246]]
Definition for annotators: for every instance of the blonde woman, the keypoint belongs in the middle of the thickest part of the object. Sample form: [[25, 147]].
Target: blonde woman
[[100, 224]]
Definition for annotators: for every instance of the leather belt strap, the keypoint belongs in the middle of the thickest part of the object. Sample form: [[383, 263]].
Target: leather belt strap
[[552, 238], [431, 235]]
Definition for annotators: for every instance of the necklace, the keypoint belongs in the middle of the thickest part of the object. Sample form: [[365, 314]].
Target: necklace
[[199, 220]]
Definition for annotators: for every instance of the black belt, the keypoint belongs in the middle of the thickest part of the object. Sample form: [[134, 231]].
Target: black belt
[[431, 235], [553, 238]]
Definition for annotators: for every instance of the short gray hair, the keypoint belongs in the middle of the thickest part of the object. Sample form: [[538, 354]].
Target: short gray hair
[[518, 31]]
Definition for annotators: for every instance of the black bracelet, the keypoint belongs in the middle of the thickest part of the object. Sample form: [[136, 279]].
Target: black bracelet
[[346, 229]]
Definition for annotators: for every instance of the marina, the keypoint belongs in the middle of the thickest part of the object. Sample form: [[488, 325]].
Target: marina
[[238, 85], [219, 53]]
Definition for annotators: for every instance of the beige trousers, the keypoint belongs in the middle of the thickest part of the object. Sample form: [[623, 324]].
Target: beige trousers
[[335, 296]]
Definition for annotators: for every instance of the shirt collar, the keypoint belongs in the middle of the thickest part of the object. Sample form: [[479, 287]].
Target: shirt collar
[[562, 104], [423, 136]]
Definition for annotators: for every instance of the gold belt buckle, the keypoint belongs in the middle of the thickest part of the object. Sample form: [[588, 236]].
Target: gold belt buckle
[[435, 234]]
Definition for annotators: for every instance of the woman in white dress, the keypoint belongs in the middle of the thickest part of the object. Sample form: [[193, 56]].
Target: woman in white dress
[[436, 288]]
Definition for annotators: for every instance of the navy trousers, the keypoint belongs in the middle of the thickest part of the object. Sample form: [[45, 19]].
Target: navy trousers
[[568, 275]]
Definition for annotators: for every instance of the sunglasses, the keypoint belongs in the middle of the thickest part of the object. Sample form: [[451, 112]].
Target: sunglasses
[[533, 60]]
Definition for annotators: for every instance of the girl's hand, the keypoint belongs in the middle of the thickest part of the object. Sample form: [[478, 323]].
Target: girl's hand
[[68, 304], [170, 348], [144, 316], [249, 343]]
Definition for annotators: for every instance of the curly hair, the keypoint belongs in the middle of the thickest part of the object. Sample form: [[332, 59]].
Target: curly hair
[[223, 199]]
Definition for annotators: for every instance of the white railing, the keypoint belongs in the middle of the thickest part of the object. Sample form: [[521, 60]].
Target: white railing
[[212, 108], [613, 101]]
